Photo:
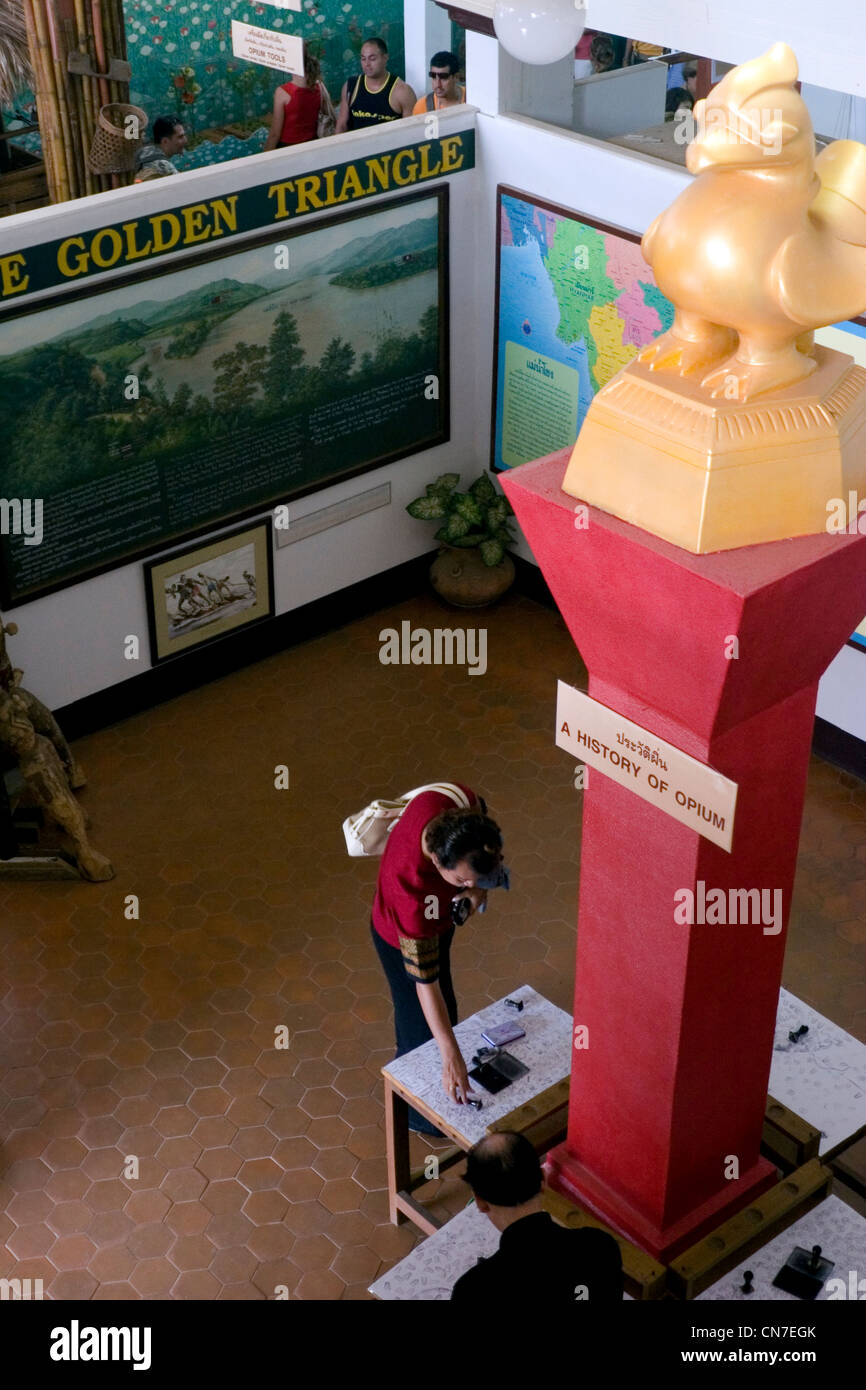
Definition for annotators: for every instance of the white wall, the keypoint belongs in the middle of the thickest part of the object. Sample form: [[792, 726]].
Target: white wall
[[71, 642], [842, 692], [829, 40], [426, 30]]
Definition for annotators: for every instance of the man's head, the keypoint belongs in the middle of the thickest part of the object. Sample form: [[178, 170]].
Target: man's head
[[505, 1176], [169, 134], [465, 847], [444, 68], [677, 99], [690, 79], [601, 53], [374, 57]]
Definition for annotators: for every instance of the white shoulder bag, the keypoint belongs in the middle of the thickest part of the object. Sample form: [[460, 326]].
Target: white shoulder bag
[[367, 831]]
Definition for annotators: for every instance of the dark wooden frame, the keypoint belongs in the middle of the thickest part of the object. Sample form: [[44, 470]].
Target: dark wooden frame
[[272, 236]]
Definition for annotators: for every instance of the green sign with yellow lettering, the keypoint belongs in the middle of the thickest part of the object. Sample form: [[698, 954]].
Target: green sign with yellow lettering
[[72, 259]]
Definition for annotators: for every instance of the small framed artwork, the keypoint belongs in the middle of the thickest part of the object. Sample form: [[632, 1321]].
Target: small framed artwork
[[199, 595]]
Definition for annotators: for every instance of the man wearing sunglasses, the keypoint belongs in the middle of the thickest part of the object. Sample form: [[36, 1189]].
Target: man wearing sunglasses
[[444, 68]]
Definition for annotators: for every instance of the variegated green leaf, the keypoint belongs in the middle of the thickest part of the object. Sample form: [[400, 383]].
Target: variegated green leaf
[[427, 508], [492, 552]]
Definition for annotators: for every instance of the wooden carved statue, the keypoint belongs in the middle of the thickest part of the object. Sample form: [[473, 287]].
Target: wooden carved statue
[[39, 715], [30, 736], [47, 782]]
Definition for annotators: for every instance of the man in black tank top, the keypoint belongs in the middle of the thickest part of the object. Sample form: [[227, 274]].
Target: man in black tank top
[[375, 96]]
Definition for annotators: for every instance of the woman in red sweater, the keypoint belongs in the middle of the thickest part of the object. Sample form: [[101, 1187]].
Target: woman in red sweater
[[297, 105], [437, 864]]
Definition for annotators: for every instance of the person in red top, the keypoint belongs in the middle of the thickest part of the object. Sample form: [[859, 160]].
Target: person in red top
[[296, 107], [434, 850]]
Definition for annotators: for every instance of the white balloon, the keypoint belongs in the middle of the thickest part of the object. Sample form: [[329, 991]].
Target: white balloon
[[539, 31]]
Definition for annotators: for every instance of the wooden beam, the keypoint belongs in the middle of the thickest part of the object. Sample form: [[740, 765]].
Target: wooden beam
[[469, 19]]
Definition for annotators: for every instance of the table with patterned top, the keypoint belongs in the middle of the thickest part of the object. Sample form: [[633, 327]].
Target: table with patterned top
[[416, 1080], [822, 1076]]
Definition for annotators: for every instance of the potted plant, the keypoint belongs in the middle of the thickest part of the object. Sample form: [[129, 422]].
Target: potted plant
[[473, 567]]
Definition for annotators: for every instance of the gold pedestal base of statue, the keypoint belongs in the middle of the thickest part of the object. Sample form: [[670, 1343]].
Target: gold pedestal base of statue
[[707, 474]]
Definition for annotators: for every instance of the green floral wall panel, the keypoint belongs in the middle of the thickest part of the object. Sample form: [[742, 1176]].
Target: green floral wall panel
[[182, 62]]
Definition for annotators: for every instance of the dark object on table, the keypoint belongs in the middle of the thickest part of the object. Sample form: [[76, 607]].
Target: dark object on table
[[746, 1286], [497, 1071], [796, 1034], [476, 1104], [492, 1081], [514, 1004], [804, 1272]]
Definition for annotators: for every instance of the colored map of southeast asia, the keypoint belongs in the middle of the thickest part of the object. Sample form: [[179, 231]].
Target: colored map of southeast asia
[[575, 305]]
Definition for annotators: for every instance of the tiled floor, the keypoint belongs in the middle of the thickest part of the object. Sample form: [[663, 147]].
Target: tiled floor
[[149, 1043]]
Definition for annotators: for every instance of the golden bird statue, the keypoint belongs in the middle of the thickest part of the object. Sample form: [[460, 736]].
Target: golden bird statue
[[767, 243]]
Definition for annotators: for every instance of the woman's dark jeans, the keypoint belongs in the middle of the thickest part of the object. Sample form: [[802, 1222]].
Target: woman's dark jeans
[[409, 1022]]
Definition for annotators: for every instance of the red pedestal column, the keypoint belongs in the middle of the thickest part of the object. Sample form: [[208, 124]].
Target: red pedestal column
[[667, 1100]]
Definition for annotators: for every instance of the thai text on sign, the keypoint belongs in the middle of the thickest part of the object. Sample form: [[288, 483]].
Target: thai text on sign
[[681, 786], [285, 52]]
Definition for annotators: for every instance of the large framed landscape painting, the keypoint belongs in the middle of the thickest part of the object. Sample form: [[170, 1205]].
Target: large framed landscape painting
[[166, 405], [575, 302]]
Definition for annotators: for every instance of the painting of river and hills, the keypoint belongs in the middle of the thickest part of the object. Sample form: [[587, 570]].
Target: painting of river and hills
[[145, 413]]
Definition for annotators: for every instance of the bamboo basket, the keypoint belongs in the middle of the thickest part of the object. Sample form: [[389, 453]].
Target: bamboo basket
[[112, 152]]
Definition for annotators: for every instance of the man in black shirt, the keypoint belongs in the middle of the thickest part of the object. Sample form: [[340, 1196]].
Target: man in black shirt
[[376, 95], [536, 1260]]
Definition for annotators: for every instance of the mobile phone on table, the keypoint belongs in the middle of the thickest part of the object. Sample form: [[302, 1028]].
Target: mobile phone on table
[[498, 1034]]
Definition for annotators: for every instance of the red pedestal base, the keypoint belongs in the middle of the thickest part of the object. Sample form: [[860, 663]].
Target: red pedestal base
[[566, 1174], [667, 1100]]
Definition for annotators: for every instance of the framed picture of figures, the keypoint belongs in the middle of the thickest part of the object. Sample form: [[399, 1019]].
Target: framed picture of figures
[[197, 596], [575, 301], [172, 401]]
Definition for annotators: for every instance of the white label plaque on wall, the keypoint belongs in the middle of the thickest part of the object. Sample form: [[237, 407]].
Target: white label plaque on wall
[[284, 4], [285, 52], [688, 790]]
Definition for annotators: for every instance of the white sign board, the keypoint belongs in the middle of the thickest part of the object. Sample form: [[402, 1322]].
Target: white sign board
[[284, 4], [682, 787], [285, 52]]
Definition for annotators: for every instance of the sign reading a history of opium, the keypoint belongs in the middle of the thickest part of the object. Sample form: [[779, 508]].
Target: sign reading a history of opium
[[575, 302], [679, 785], [154, 409]]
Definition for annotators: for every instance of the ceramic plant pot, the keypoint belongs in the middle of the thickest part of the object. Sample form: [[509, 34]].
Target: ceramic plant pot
[[461, 577]]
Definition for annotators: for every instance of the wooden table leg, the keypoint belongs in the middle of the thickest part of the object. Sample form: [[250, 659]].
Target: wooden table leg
[[397, 1149]]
